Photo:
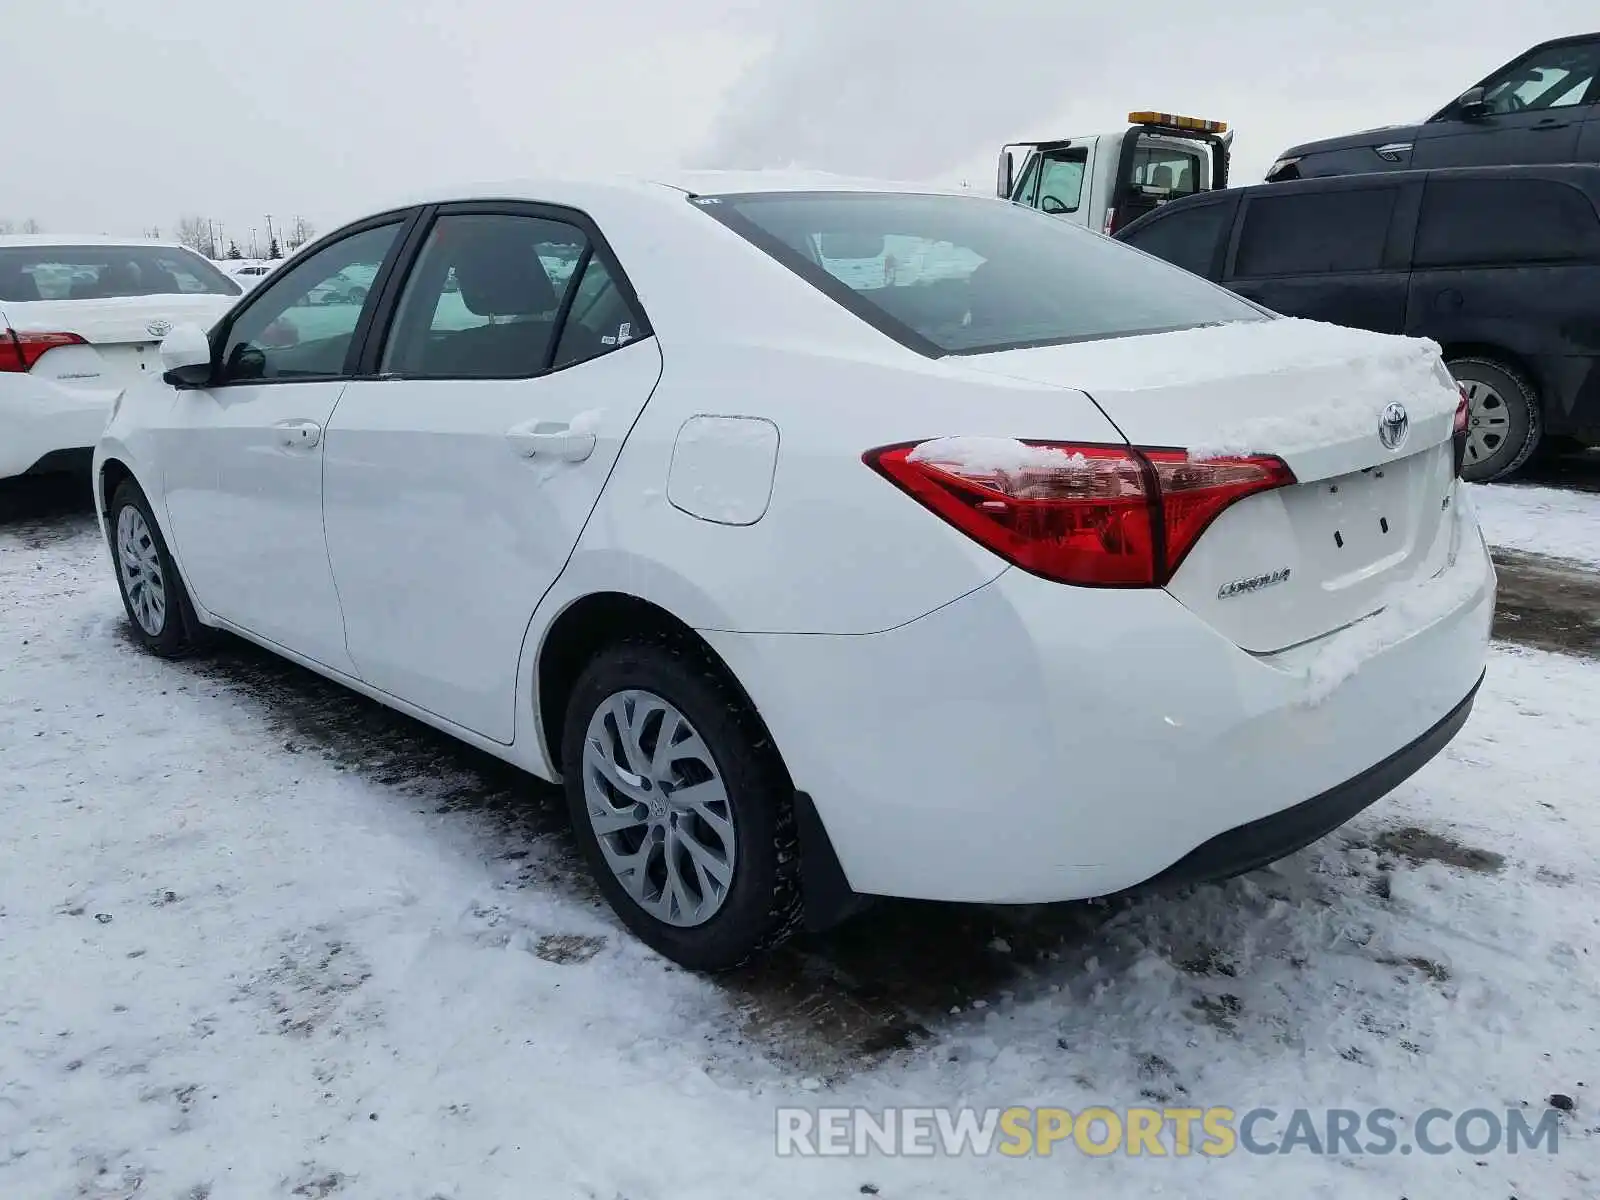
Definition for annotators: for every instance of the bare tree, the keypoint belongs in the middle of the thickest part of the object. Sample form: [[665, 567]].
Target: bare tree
[[194, 233], [6, 226], [300, 232], [32, 226]]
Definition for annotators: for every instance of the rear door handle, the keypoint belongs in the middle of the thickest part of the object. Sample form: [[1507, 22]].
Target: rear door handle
[[551, 440], [298, 435]]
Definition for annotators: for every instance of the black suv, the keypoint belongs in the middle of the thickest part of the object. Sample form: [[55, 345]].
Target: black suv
[[1499, 265], [1541, 107]]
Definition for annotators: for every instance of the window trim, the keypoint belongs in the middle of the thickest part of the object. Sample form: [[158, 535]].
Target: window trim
[[405, 218], [369, 364]]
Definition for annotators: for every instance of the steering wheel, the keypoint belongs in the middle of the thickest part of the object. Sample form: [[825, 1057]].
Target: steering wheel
[[1515, 103], [1053, 206]]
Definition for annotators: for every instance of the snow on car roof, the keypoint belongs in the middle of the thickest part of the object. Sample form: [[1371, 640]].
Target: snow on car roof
[[86, 239]]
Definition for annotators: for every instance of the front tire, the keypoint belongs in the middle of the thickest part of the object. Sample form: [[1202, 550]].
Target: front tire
[[1503, 419], [153, 595], [681, 805]]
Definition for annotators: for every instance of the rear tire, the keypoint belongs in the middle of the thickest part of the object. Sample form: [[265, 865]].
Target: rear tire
[[1504, 423], [717, 811], [153, 595]]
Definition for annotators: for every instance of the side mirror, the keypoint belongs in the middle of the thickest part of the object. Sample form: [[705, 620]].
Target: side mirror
[[1472, 104], [186, 357], [1004, 177]]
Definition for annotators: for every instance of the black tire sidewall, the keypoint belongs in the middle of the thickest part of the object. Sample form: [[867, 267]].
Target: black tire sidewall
[[762, 906], [1522, 405], [173, 638]]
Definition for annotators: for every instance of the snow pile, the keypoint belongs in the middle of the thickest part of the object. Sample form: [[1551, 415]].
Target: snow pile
[[1540, 520], [1416, 377], [992, 456], [1279, 345], [258, 939]]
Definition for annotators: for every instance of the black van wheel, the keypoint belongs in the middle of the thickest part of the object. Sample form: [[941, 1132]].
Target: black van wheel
[[1503, 420]]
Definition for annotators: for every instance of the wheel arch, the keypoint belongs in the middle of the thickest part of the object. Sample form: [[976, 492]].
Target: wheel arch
[[596, 619], [587, 624], [1519, 363]]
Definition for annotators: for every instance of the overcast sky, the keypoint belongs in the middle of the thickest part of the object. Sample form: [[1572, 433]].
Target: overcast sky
[[122, 115]]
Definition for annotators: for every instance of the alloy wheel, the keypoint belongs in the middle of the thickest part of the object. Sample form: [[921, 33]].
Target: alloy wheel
[[659, 808], [139, 561]]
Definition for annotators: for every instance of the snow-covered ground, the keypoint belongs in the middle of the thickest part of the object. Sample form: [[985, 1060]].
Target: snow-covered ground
[[1541, 520], [259, 939]]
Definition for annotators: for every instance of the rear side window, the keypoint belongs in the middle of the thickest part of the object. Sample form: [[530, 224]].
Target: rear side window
[[1185, 237], [951, 274], [1314, 233], [1469, 222]]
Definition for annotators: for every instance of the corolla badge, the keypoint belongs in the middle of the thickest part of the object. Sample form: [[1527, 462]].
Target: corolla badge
[[1393, 426], [159, 327], [1253, 583]]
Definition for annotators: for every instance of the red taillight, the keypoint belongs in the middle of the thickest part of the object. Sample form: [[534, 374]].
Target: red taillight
[[1097, 516], [20, 349]]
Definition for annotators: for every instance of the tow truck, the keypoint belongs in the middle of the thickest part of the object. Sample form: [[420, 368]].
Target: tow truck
[[1106, 180]]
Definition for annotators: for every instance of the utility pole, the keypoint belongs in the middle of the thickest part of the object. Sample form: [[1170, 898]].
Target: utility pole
[[253, 253]]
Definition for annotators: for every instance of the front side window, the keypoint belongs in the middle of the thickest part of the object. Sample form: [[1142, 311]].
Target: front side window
[[1555, 77], [1469, 222], [302, 320], [107, 272], [1061, 181], [1314, 233], [966, 275], [487, 295]]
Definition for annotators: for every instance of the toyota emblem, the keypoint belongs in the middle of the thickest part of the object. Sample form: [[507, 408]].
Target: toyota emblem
[[159, 327], [1393, 426]]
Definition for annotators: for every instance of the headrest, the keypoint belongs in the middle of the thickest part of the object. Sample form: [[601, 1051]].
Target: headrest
[[500, 278]]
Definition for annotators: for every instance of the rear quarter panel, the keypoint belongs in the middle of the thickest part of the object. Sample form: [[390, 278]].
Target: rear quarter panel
[[839, 549], [1546, 319]]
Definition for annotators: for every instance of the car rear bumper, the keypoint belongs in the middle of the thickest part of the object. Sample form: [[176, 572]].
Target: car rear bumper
[[1263, 841], [38, 418], [1030, 743]]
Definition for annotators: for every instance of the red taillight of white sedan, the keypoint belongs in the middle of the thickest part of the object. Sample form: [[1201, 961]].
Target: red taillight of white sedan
[[20, 349], [1091, 515]]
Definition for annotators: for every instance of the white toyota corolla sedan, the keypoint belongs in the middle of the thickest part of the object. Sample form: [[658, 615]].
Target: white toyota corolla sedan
[[80, 319], [825, 540]]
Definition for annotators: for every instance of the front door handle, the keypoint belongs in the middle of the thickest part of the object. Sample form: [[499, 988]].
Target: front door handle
[[552, 440], [298, 435]]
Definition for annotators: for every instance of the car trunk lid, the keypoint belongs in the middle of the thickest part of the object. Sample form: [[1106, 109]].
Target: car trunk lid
[[1288, 565], [121, 336]]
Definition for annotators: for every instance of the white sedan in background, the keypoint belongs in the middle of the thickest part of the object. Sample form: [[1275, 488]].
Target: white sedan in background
[[1026, 568], [80, 319]]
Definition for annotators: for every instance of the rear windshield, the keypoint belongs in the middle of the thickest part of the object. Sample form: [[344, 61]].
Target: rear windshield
[[102, 272], [969, 275]]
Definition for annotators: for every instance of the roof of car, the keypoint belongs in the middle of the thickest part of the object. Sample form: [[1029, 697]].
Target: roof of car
[[86, 239], [559, 190]]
